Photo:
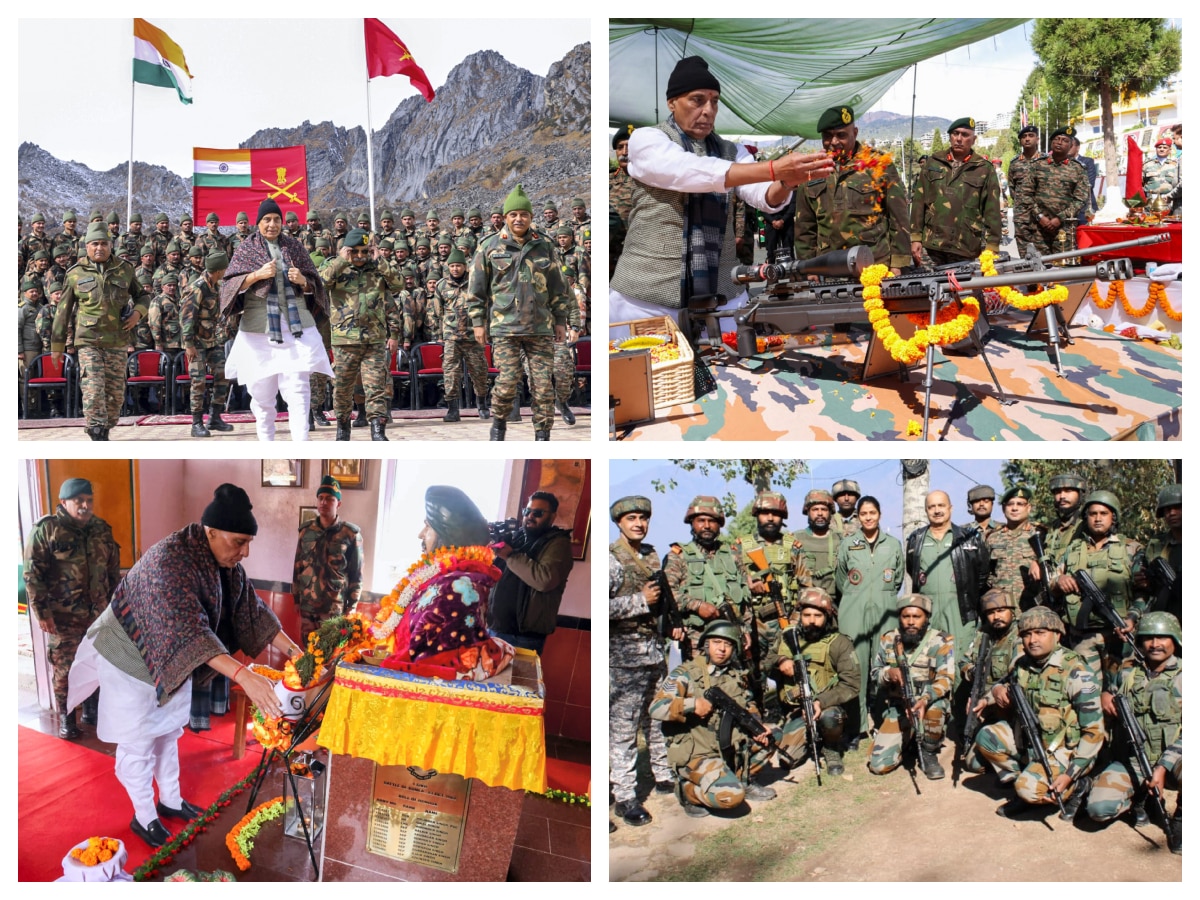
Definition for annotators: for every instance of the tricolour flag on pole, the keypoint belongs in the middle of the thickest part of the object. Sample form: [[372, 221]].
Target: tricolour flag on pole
[[387, 55], [231, 181], [158, 61]]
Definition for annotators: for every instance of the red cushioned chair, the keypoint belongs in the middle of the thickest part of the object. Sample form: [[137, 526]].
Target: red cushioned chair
[[400, 369], [583, 372], [181, 384], [44, 376], [427, 366], [147, 369]]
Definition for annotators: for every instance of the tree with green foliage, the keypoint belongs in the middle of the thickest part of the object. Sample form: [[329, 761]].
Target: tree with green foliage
[[938, 144], [1051, 109], [760, 473], [1136, 483], [1112, 56]]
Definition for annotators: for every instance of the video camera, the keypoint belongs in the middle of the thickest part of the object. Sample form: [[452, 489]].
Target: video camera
[[507, 532]]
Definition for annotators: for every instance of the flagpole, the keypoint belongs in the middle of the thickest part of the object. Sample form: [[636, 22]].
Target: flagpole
[[370, 159], [129, 172]]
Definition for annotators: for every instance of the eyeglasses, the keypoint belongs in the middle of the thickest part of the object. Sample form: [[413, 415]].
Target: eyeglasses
[[535, 513]]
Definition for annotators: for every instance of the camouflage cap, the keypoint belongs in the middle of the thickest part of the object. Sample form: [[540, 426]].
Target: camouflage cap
[[626, 505], [846, 486], [216, 261], [706, 505], [981, 492], [818, 598], [213, 219], [996, 598], [817, 496], [724, 629], [1104, 498], [1071, 481], [835, 117], [1016, 491], [920, 601], [97, 232], [1163, 624], [242, 217], [1171, 495], [112, 219], [356, 237], [770, 501], [517, 200], [136, 217], [1040, 617], [965, 122], [73, 487]]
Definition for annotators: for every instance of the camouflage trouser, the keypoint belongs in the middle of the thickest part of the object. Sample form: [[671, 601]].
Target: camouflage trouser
[[886, 751], [507, 352], [456, 351], [707, 781], [310, 621], [1055, 242], [103, 373], [318, 382], [211, 359], [369, 360], [61, 649], [1114, 788], [630, 691], [1100, 652], [998, 746], [1025, 233], [564, 372], [831, 723]]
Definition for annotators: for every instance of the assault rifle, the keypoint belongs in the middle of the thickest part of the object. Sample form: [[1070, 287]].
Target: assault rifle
[[1162, 578], [983, 664], [758, 556], [1095, 599], [802, 680], [1038, 543], [1029, 726], [908, 698], [733, 714], [1137, 742], [669, 616]]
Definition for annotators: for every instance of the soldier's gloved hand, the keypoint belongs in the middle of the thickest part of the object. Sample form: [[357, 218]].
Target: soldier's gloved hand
[[651, 593], [132, 321], [706, 611]]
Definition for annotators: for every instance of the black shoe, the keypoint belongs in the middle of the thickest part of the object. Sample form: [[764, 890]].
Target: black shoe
[[185, 813], [933, 769], [541, 435], [833, 763], [343, 430], [1140, 818], [498, 428], [1012, 808], [378, 427], [361, 421], [216, 423], [452, 413], [514, 414], [755, 791], [632, 812], [155, 835], [198, 429], [88, 710], [484, 412], [1072, 804], [1175, 843], [97, 433], [695, 810], [67, 729], [568, 416], [664, 787]]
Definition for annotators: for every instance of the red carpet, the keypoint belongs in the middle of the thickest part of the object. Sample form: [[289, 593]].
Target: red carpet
[[66, 793], [567, 776]]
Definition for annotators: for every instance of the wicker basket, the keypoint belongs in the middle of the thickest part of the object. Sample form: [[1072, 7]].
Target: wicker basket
[[674, 380]]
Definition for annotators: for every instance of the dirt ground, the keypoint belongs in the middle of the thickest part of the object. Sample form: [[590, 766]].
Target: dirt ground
[[862, 827]]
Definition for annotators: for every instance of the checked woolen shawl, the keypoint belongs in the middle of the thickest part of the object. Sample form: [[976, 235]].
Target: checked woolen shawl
[[252, 254], [172, 604], [704, 218]]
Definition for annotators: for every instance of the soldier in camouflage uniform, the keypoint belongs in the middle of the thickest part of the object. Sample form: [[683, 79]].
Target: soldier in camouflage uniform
[[1154, 691], [470, 236], [495, 223], [193, 266], [421, 259], [145, 272], [1052, 195], [549, 218], [1014, 565], [1065, 696], [637, 661], [36, 240], [95, 293], [710, 776], [414, 307], [172, 264], [956, 202], [1108, 557], [131, 241], [1018, 171], [29, 345], [1166, 545], [461, 347], [579, 218], [408, 228], [620, 193], [185, 236], [703, 574], [855, 205], [160, 237], [141, 337], [819, 543], [212, 240], [845, 494], [291, 225], [930, 657], [45, 318], [113, 221], [833, 670], [327, 575], [1160, 175], [203, 338], [72, 564], [164, 317], [387, 227], [785, 569], [365, 326], [514, 281], [571, 263], [998, 608], [980, 501], [63, 261], [1067, 491], [69, 235]]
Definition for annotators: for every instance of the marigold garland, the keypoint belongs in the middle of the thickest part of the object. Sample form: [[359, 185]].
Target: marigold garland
[[761, 344], [98, 850], [938, 334], [1054, 295], [1163, 303], [443, 559], [240, 839], [1156, 295]]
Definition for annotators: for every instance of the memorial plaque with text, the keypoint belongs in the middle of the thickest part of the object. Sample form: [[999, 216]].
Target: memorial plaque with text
[[418, 816]]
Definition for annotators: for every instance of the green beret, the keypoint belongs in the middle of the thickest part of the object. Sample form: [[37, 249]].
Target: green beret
[[458, 211], [329, 485], [577, 203], [1019, 491], [456, 256], [113, 219], [357, 237], [242, 217], [622, 134], [516, 200], [965, 122], [73, 487], [172, 247], [69, 216], [97, 232], [626, 505], [30, 285], [407, 213], [981, 492], [185, 218], [37, 217], [136, 217], [54, 286], [474, 212], [161, 217], [216, 261]]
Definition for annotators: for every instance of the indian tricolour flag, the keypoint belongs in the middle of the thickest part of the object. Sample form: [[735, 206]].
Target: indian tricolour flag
[[221, 168], [157, 60]]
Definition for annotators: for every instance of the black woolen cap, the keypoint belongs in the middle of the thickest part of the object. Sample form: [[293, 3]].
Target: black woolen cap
[[690, 74]]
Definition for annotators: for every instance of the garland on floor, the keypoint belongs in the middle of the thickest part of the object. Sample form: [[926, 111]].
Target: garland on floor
[[165, 854], [564, 796], [240, 839]]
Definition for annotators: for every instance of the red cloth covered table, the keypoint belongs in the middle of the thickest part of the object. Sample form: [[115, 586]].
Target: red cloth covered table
[[1167, 252]]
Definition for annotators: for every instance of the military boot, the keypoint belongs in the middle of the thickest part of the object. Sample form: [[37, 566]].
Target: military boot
[[316, 417], [343, 429], [452, 413], [541, 435], [378, 427], [198, 429], [497, 432], [756, 791], [833, 762], [632, 812], [931, 767], [361, 420], [97, 433], [484, 412], [87, 712], [695, 810], [1012, 808], [1139, 813], [514, 414], [568, 416], [1072, 803], [215, 422], [1175, 843], [67, 729]]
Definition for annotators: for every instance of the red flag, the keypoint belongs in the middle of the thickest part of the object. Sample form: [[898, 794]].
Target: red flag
[[387, 55], [231, 181], [1133, 172]]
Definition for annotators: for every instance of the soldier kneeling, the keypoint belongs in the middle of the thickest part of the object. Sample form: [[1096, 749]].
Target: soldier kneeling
[[714, 762]]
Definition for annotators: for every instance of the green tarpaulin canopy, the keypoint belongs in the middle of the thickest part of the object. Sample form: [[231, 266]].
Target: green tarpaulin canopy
[[777, 75]]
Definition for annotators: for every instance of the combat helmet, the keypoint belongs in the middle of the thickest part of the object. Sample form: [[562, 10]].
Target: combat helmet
[[1040, 617], [920, 601], [704, 505], [1161, 623], [1104, 498], [626, 505], [817, 496], [1171, 495], [1071, 481], [722, 628], [770, 501], [818, 598], [996, 598], [846, 486], [981, 492]]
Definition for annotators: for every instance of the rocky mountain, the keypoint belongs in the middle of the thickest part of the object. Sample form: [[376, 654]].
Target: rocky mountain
[[491, 125]]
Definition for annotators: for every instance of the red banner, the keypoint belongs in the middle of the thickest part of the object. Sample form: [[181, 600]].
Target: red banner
[[231, 181], [1133, 171], [387, 55]]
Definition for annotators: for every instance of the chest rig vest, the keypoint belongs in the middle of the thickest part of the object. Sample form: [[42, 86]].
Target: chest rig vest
[[1047, 692], [1110, 569], [636, 570], [1158, 710]]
